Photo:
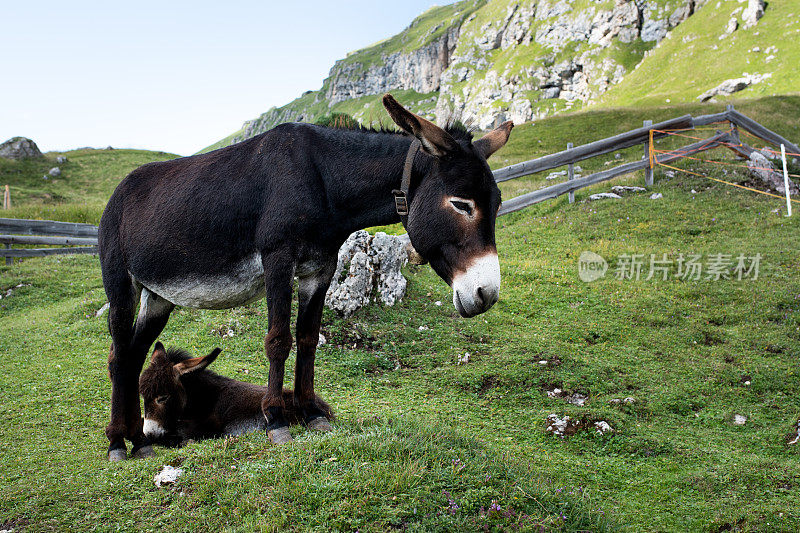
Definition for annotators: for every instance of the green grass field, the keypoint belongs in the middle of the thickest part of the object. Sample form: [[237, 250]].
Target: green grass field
[[423, 443]]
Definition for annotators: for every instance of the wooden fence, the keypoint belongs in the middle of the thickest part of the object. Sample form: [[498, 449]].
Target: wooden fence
[[628, 139], [82, 238]]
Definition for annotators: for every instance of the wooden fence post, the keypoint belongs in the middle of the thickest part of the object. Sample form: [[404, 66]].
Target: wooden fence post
[[7, 198], [734, 131], [648, 170], [571, 175]]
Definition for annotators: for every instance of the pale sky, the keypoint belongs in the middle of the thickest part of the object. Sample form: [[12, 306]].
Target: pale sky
[[172, 76]]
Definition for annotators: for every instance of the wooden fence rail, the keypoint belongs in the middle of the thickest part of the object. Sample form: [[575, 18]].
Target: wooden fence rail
[[45, 232], [627, 140], [83, 237], [23, 226], [554, 191]]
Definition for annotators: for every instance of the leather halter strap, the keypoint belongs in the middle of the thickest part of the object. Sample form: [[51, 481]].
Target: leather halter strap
[[401, 194]]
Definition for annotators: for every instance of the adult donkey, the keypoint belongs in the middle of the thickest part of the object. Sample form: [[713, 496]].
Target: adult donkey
[[222, 229]]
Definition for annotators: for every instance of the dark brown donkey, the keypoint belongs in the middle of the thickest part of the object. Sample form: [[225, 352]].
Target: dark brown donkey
[[184, 400], [222, 229]]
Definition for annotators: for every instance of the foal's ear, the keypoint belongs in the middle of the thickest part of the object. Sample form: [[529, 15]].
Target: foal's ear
[[494, 140], [434, 139], [195, 364], [158, 351]]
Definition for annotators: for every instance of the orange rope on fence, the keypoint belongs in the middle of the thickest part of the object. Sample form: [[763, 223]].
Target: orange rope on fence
[[654, 161], [719, 162], [729, 183], [768, 149]]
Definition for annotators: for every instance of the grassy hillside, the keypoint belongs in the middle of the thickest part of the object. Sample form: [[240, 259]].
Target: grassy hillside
[[79, 195], [694, 59], [423, 443]]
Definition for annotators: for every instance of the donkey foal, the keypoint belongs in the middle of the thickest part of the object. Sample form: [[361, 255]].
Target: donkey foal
[[183, 400]]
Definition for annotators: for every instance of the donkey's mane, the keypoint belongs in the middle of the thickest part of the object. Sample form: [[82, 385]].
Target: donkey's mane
[[456, 129], [176, 355]]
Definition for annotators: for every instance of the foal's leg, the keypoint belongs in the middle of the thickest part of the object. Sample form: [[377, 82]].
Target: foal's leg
[[311, 295], [278, 343]]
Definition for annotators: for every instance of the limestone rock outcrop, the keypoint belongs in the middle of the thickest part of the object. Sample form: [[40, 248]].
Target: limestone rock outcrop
[[18, 148]]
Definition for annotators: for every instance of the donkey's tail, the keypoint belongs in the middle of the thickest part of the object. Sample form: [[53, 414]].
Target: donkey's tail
[[293, 414]]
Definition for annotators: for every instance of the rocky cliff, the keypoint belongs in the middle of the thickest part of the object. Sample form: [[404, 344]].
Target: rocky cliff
[[484, 61]]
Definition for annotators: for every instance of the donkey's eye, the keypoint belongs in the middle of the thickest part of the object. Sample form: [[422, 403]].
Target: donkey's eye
[[161, 400], [462, 206]]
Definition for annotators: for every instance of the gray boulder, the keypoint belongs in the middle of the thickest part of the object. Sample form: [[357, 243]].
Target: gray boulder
[[728, 87], [61, 159], [54, 172], [622, 190], [762, 169], [604, 195], [388, 255], [18, 148], [752, 13], [368, 265]]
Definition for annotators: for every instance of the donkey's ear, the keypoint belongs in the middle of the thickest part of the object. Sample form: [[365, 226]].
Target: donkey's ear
[[494, 140], [434, 139], [195, 364], [158, 351]]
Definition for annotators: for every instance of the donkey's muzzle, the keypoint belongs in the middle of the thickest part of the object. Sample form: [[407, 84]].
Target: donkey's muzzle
[[478, 288]]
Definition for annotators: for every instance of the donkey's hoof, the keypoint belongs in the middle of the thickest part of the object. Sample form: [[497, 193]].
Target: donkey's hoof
[[144, 452], [117, 454], [280, 436], [320, 424]]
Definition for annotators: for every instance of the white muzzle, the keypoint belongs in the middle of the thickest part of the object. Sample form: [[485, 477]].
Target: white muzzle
[[478, 288], [153, 429]]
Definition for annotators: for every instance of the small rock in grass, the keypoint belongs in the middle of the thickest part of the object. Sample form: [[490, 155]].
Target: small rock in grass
[[603, 427], [437, 303], [168, 476], [463, 359], [322, 340], [628, 400], [739, 420], [622, 190], [100, 312], [603, 195], [656, 196], [617, 156], [670, 173], [694, 191], [543, 362], [61, 159], [577, 399], [55, 172], [554, 175]]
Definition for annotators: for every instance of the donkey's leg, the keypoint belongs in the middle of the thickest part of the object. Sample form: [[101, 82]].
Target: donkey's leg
[[311, 295], [154, 312], [279, 274]]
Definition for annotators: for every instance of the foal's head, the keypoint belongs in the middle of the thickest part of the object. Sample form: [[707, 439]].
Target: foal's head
[[162, 389], [452, 207]]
